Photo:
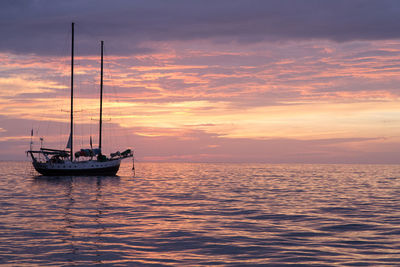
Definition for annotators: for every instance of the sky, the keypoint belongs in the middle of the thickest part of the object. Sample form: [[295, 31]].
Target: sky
[[206, 81]]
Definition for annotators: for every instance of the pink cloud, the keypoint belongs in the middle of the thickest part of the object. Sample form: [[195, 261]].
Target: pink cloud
[[263, 102]]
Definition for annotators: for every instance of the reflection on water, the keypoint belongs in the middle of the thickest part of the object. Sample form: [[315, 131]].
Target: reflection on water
[[82, 207], [203, 214]]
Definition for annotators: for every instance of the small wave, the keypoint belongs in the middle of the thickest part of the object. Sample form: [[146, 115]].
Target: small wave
[[281, 217], [349, 227]]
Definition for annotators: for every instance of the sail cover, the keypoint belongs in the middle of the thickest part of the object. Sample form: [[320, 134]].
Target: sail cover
[[69, 142]]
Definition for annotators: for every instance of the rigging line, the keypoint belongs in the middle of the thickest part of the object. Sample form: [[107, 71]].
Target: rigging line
[[111, 85], [107, 139], [116, 98], [64, 70]]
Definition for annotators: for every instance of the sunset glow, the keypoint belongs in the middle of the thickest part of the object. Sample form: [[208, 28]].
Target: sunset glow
[[271, 97]]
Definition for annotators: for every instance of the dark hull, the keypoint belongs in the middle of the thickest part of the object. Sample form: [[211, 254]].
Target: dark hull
[[106, 171]]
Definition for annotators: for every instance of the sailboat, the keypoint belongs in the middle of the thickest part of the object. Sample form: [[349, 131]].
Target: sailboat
[[56, 162]]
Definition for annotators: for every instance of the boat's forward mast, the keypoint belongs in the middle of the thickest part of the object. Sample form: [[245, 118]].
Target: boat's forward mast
[[71, 136]]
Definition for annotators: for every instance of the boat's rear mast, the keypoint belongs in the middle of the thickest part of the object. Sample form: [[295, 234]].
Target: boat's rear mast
[[101, 95]]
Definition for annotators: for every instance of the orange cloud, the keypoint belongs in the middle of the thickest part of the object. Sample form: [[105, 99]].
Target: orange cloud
[[304, 91]]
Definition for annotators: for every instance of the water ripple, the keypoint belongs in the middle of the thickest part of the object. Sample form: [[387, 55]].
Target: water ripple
[[203, 215]]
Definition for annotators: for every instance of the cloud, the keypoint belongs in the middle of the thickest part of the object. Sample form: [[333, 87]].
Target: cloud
[[40, 26], [208, 80]]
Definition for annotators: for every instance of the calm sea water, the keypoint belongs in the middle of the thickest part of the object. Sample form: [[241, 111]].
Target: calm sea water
[[203, 214]]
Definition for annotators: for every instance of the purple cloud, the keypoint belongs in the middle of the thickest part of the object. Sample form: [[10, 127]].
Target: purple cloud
[[40, 26]]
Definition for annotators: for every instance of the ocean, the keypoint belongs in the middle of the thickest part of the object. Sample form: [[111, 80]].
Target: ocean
[[193, 214]]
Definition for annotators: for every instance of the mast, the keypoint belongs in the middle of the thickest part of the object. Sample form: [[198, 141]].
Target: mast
[[72, 94], [101, 95]]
